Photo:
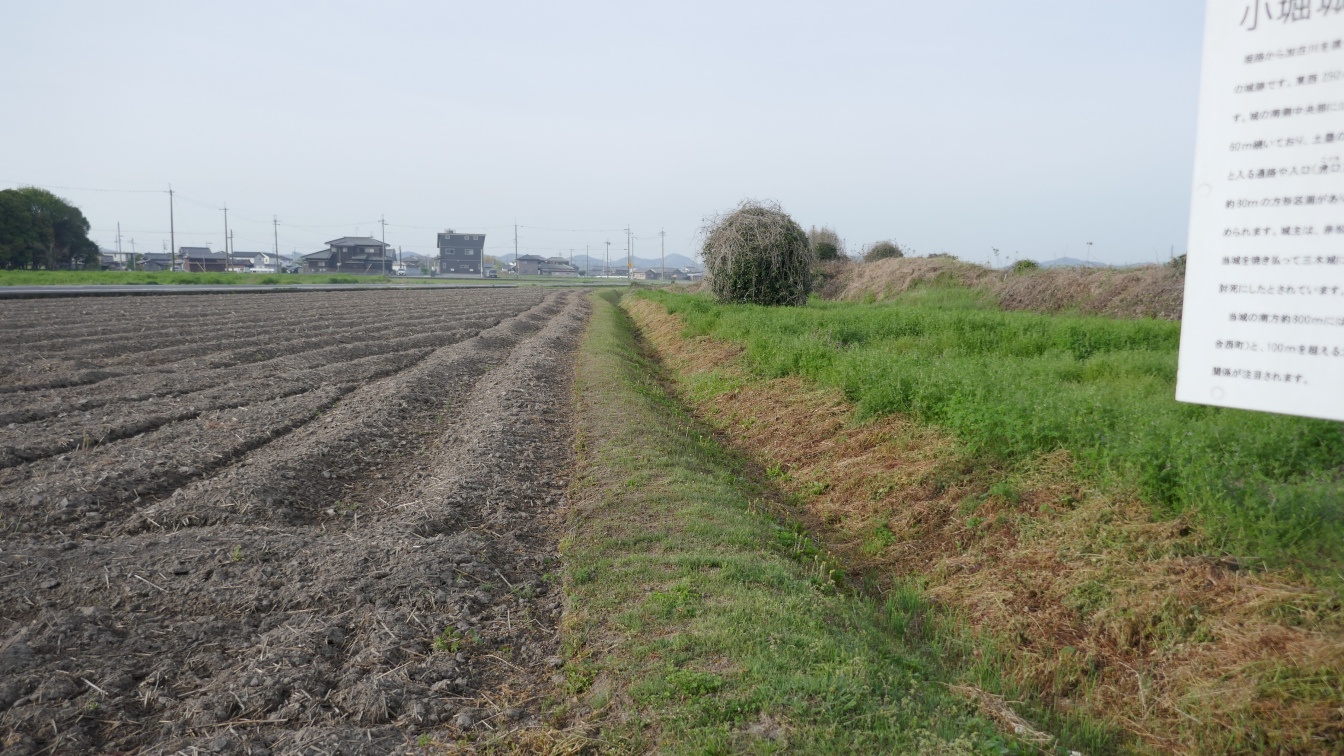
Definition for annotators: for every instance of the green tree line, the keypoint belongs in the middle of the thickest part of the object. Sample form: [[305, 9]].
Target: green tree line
[[40, 230]]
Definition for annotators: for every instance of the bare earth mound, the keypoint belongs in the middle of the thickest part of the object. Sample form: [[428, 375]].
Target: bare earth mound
[[279, 522], [1152, 291]]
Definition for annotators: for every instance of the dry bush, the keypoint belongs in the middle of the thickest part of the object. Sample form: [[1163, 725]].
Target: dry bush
[[1152, 291], [827, 244], [757, 254], [883, 250]]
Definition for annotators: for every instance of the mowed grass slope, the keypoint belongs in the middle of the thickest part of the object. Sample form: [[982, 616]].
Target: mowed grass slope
[[699, 623], [1011, 385], [1076, 595]]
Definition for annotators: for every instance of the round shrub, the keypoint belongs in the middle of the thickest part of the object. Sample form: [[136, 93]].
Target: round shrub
[[826, 243], [827, 251], [1026, 266], [757, 254], [882, 250]]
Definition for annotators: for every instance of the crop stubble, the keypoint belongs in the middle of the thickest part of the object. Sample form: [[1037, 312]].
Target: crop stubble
[[239, 523]]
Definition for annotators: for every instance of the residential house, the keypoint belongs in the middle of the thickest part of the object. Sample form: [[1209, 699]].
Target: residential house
[[529, 265], [360, 255], [461, 253], [263, 262], [661, 274], [202, 260], [156, 261], [557, 266]]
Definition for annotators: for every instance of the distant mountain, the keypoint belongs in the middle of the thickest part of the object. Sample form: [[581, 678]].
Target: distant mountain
[[1072, 262]]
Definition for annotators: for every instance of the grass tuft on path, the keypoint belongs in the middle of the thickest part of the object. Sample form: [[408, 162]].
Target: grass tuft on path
[[699, 622]]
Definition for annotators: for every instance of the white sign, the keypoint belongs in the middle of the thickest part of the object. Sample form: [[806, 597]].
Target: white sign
[[1263, 324]]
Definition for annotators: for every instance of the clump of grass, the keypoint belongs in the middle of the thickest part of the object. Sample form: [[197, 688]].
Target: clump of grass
[[451, 640]]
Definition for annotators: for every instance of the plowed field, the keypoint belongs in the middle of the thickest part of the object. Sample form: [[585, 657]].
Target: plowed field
[[314, 523]]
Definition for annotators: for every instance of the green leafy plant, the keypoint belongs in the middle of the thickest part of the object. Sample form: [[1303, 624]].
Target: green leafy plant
[[450, 640]]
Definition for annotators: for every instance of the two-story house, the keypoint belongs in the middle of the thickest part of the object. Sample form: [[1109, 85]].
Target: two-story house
[[461, 253], [352, 254]]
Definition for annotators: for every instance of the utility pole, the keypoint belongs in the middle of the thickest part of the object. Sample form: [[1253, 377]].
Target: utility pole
[[172, 232], [231, 249], [515, 249], [587, 259], [119, 242], [1089, 254], [629, 256], [606, 261], [662, 252], [228, 259], [383, 239], [275, 229]]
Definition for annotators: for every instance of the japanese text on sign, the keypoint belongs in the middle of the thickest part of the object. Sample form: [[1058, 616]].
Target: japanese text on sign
[[1263, 324]]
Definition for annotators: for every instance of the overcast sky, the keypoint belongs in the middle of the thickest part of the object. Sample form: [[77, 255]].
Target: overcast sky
[[947, 126]]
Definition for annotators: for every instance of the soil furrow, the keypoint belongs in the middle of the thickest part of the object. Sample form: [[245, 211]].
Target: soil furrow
[[39, 320], [328, 461], [346, 630], [222, 353], [30, 441], [78, 492]]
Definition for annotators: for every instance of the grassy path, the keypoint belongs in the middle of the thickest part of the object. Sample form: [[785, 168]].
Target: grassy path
[[700, 621]]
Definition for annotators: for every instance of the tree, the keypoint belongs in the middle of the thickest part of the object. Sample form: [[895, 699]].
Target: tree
[[40, 230], [826, 243], [882, 251]]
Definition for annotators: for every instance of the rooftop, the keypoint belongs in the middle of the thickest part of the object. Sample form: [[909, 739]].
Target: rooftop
[[355, 241]]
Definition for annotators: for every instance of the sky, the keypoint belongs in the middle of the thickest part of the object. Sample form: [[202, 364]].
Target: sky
[[959, 127]]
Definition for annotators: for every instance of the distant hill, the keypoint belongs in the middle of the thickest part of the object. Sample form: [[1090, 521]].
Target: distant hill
[[1072, 262]]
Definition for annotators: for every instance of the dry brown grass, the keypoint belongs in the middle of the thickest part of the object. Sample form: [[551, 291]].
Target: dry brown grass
[[1098, 606], [1153, 291]]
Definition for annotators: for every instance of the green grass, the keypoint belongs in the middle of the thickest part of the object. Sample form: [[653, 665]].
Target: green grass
[[1013, 385], [697, 623], [98, 277]]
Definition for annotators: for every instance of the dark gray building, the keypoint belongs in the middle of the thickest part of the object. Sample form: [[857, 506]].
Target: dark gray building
[[461, 253]]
